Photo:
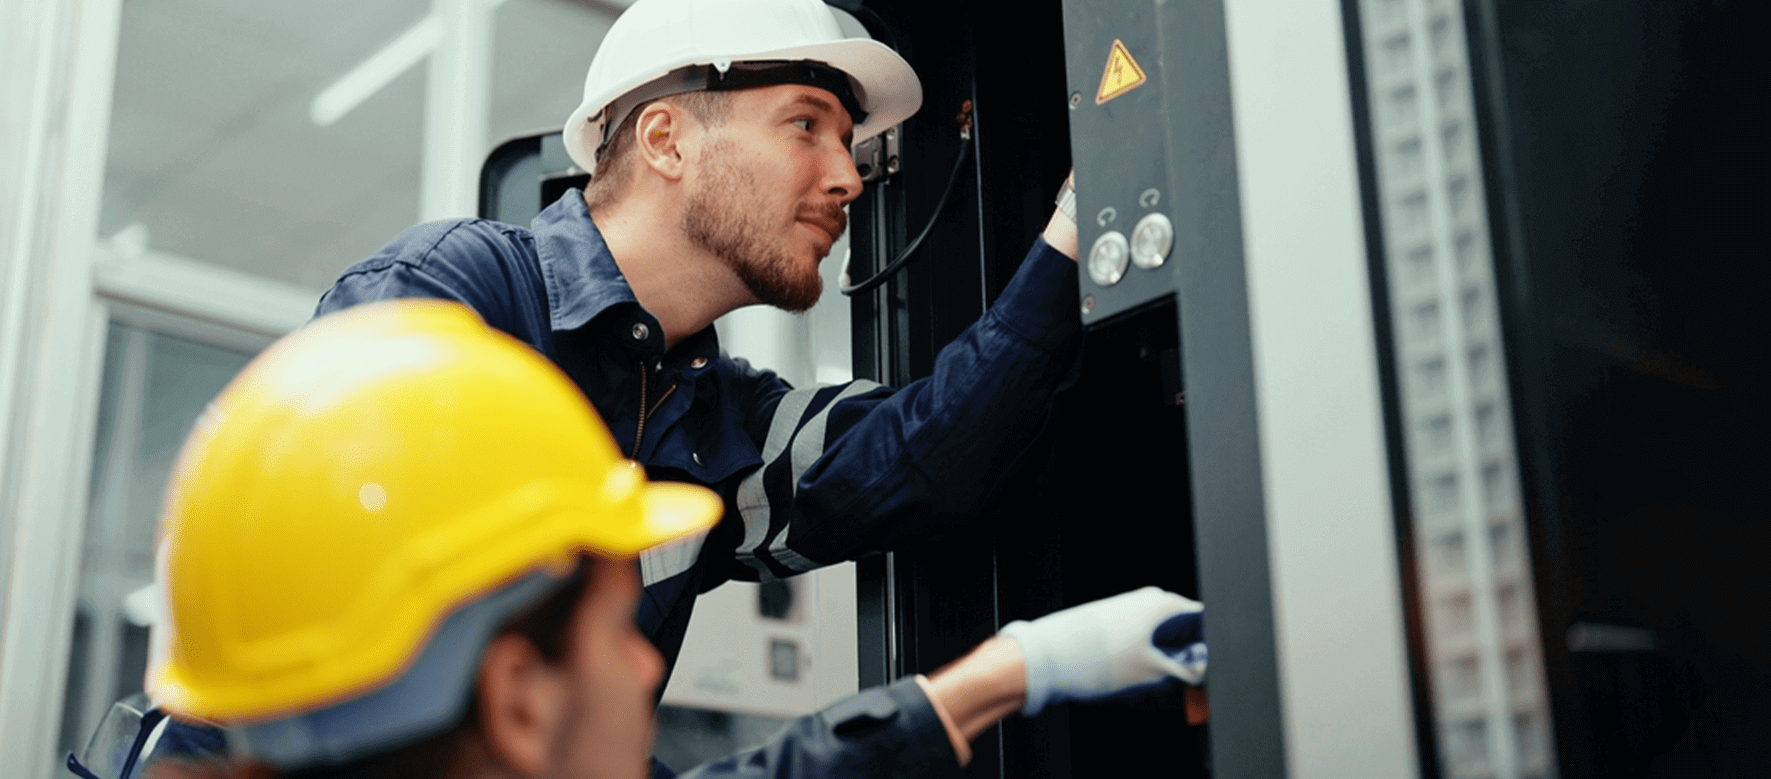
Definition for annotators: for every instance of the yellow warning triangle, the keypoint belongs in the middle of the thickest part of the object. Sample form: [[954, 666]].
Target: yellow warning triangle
[[1122, 75]]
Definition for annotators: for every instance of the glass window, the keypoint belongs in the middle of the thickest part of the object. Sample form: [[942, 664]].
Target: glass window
[[154, 388]]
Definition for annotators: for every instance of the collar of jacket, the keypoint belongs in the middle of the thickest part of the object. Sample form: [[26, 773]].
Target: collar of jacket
[[582, 278], [584, 283]]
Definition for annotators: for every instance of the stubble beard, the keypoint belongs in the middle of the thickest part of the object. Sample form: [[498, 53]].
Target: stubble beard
[[717, 219]]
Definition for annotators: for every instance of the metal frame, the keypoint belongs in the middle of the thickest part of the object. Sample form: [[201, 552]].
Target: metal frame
[[457, 101], [50, 341]]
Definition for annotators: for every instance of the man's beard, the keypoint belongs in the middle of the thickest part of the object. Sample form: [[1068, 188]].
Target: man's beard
[[717, 218]]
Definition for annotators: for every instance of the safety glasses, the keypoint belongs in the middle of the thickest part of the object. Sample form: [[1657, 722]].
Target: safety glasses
[[125, 737]]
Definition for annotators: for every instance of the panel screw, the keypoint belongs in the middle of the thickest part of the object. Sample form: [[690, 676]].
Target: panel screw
[[1088, 303], [1075, 100]]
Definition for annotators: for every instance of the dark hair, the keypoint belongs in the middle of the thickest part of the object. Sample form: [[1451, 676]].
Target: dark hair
[[545, 625], [614, 162]]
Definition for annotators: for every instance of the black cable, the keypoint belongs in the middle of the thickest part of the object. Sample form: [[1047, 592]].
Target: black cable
[[904, 257]]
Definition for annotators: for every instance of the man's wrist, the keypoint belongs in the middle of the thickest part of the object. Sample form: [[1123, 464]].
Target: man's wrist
[[1060, 231], [962, 747], [982, 687]]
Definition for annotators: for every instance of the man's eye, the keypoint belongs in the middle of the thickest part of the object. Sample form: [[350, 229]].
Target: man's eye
[[804, 124]]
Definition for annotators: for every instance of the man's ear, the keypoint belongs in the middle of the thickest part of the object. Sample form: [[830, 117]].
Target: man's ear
[[663, 136], [522, 703]]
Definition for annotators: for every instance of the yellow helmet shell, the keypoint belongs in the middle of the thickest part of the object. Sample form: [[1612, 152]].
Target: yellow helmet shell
[[359, 481]]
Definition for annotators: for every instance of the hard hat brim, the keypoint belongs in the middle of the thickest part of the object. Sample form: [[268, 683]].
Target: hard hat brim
[[672, 511], [885, 84]]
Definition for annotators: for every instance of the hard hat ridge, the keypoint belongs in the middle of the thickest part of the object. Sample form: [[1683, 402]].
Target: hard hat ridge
[[654, 39]]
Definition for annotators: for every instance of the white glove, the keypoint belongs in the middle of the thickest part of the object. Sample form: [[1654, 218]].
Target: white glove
[[1111, 646]]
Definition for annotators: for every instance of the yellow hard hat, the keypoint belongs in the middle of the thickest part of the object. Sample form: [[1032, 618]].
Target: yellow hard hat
[[359, 482]]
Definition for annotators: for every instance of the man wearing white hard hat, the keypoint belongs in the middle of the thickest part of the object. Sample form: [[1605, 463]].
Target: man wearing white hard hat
[[719, 136]]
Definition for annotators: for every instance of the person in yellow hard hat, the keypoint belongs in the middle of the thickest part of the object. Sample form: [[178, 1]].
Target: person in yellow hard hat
[[366, 476], [396, 545]]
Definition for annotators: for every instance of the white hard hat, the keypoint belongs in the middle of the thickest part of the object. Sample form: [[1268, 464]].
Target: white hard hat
[[654, 48]]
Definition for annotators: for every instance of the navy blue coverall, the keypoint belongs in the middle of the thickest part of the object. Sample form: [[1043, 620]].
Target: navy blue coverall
[[810, 476]]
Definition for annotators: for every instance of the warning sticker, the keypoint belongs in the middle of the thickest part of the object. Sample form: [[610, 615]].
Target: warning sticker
[[1123, 74]]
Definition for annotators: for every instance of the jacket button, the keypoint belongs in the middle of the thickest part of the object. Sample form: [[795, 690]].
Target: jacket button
[[640, 331], [696, 456], [698, 363]]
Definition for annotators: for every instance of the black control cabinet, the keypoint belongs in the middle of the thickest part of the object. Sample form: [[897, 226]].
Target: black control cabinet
[[1100, 503]]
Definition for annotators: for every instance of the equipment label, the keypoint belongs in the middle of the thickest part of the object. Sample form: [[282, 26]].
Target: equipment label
[[1122, 75]]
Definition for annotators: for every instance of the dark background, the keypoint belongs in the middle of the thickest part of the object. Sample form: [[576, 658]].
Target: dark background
[[1625, 145]]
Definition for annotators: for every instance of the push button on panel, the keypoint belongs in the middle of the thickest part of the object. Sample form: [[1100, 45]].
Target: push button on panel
[[1107, 259], [1151, 241]]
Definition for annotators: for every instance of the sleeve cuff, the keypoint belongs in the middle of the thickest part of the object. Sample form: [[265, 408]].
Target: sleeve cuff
[[961, 749], [1041, 301]]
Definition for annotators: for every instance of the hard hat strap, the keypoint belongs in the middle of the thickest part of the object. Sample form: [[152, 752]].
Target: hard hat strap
[[739, 75]]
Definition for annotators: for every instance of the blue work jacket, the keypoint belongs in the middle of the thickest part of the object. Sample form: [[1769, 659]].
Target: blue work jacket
[[886, 732], [889, 732], [810, 476]]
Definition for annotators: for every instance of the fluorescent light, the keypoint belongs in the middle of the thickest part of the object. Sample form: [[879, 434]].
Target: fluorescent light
[[398, 56], [378, 71], [142, 606]]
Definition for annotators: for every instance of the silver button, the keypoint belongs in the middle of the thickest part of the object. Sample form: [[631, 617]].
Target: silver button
[[1151, 240], [1107, 260], [698, 363], [640, 331], [697, 458]]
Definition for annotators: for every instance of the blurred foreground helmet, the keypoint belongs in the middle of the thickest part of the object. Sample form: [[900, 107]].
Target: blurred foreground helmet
[[666, 47], [363, 507]]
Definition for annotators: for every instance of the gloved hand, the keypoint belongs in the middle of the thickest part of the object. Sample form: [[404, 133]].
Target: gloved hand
[[1111, 646]]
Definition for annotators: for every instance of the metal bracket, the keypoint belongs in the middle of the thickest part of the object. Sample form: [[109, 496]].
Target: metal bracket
[[877, 157]]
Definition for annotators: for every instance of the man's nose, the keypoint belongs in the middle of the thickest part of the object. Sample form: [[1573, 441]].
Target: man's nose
[[844, 181]]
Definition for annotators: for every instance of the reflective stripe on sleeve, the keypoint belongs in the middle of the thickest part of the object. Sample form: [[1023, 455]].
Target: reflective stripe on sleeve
[[662, 562], [797, 433]]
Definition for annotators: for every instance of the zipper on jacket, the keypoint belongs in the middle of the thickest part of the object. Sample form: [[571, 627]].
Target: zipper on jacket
[[639, 430]]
